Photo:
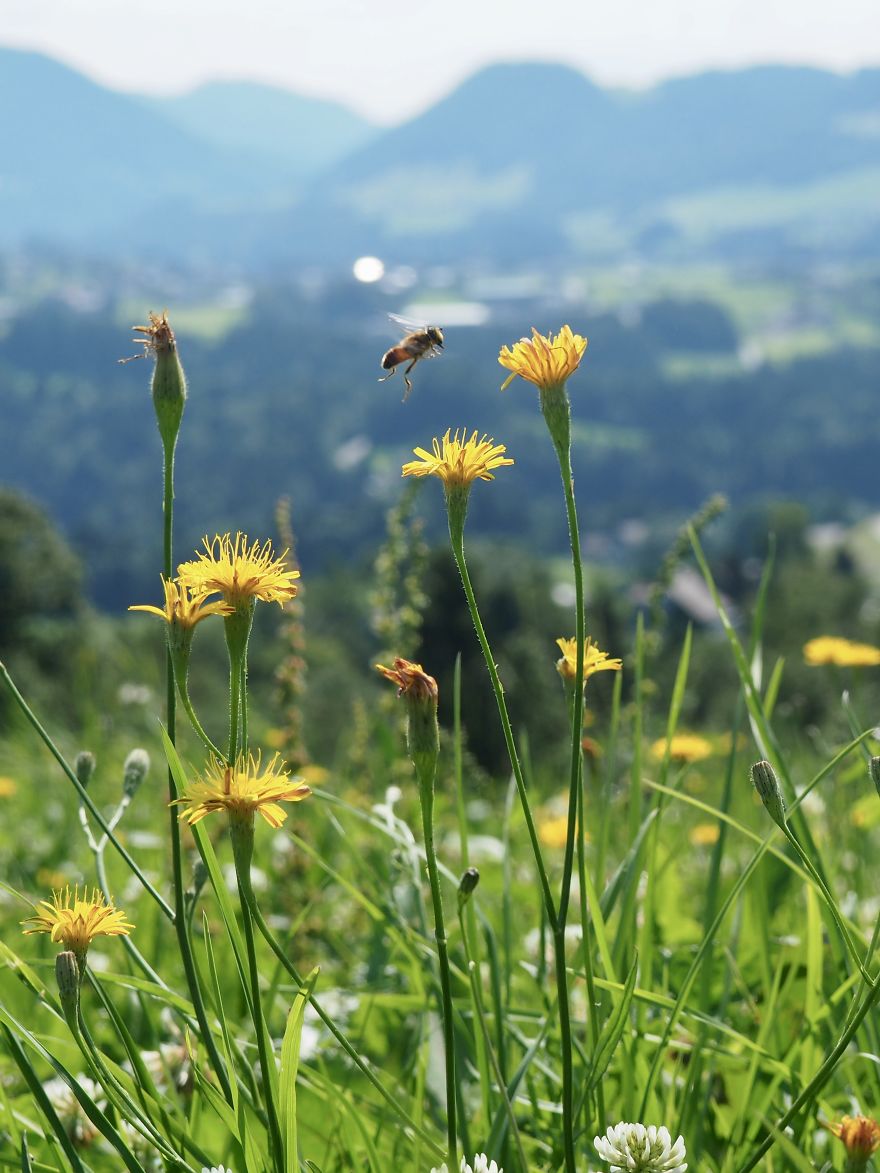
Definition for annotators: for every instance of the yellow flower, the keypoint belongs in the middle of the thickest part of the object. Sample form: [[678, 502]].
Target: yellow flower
[[704, 834], [594, 660], [860, 1135], [459, 461], [241, 790], [411, 679], [684, 747], [75, 921], [545, 361], [844, 653], [181, 608], [8, 787], [240, 572]]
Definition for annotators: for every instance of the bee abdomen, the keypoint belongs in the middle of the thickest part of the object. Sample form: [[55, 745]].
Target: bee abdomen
[[393, 357]]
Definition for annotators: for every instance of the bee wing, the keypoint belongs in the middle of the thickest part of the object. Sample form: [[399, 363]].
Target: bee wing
[[408, 324]]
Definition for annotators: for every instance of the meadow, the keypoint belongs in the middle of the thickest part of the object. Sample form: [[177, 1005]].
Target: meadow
[[648, 947]]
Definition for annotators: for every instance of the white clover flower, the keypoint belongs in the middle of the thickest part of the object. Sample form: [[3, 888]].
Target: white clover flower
[[70, 1112], [215, 1169], [482, 1164], [633, 1148]]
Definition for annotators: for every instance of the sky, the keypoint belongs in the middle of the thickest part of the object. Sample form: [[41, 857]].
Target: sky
[[391, 59]]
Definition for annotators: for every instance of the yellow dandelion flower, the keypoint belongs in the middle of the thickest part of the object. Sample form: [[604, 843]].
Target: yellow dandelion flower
[[74, 921], [181, 609], [860, 1135], [704, 834], [547, 361], [684, 747], [239, 571], [459, 461], [411, 679], [314, 774], [595, 660], [241, 790], [8, 787], [843, 653]]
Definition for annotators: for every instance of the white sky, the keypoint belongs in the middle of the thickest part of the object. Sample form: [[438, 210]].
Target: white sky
[[390, 59]]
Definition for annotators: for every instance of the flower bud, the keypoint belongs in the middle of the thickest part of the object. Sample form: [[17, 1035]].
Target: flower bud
[[135, 769], [874, 771], [84, 766], [467, 886], [67, 977], [767, 785], [169, 382], [420, 692]]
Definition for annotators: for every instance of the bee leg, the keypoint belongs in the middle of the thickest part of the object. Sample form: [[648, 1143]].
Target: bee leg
[[406, 380], [385, 378]]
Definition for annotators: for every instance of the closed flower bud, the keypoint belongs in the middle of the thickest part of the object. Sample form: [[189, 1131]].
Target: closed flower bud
[[874, 771], [135, 769], [84, 766], [767, 785], [67, 976], [467, 886], [169, 382]]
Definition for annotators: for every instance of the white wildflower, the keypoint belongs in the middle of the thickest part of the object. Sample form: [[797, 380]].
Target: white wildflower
[[215, 1169], [70, 1112], [633, 1148], [482, 1164]]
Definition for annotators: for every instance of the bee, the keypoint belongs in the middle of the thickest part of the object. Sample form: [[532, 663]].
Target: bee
[[420, 342]]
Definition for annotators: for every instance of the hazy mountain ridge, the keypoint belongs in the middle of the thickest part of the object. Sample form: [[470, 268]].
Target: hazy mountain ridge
[[532, 159]]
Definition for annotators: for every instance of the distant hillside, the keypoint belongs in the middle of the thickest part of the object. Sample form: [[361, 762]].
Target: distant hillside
[[300, 136], [537, 159], [78, 161], [522, 162]]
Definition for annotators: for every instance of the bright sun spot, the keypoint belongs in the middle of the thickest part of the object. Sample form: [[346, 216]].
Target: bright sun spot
[[368, 269]]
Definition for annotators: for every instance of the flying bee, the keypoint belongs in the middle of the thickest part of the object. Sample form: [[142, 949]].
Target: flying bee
[[420, 342]]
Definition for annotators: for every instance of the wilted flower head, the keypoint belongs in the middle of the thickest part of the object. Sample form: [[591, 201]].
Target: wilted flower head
[[595, 660], [242, 790], [547, 361], [459, 460], [411, 679], [843, 653], [860, 1135], [633, 1148], [683, 747], [181, 609], [239, 571], [75, 921], [482, 1164]]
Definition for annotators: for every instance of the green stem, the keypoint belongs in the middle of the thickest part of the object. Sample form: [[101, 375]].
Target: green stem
[[392, 1101], [244, 707], [819, 1080], [180, 923], [457, 540], [586, 951], [562, 443], [183, 693], [234, 710], [426, 790], [246, 896]]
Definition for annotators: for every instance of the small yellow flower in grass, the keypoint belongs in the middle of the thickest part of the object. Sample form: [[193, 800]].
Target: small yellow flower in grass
[[242, 790], [74, 921], [547, 361], [704, 834], [458, 460], [684, 747], [8, 787], [843, 653], [861, 1137], [595, 660], [181, 609], [239, 571], [553, 832]]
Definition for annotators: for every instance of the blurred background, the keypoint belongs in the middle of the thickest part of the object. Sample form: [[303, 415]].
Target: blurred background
[[693, 186]]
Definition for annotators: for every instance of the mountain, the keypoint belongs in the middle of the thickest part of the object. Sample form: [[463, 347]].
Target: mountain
[[78, 161], [300, 136], [523, 162], [535, 157]]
